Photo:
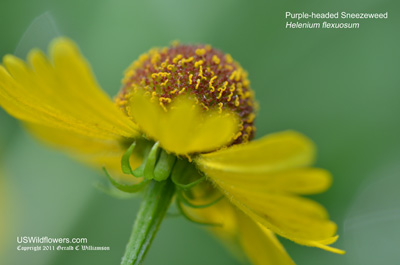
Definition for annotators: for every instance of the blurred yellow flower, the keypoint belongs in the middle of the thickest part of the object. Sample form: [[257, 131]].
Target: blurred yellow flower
[[196, 104]]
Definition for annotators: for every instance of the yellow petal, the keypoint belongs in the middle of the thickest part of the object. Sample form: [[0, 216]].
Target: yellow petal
[[323, 245], [93, 151], [274, 152], [241, 234], [222, 213], [61, 94], [298, 180], [298, 219], [260, 177], [260, 244], [184, 128]]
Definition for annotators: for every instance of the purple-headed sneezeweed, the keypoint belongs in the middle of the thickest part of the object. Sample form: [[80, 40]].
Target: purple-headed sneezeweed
[[181, 128]]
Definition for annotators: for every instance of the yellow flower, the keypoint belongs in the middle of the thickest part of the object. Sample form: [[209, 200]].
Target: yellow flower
[[196, 103]]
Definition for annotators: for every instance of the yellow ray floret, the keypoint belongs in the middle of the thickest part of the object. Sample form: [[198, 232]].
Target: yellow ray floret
[[292, 217], [270, 154], [60, 93], [261, 178], [298, 181], [236, 229], [260, 244], [184, 128], [93, 151]]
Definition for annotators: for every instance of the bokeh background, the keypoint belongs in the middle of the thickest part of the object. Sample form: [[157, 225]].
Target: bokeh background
[[339, 87]]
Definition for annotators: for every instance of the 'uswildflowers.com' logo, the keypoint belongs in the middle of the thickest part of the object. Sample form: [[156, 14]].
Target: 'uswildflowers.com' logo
[[48, 240]]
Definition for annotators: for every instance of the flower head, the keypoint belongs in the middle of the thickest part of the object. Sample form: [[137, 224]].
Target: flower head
[[210, 78], [189, 111]]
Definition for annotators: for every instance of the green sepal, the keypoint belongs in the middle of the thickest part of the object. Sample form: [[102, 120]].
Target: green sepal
[[139, 171], [185, 201], [180, 208], [184, 171], [151, 161], [164, 166], [125, 163], [130, 188], [113, 192]]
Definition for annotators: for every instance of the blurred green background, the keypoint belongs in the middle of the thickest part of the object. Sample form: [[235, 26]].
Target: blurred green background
[[339, 87]]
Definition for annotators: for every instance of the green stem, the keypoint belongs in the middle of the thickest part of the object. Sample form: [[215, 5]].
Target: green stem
[[154, 206]]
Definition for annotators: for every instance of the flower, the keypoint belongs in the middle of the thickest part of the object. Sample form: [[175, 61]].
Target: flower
[[190, 110]]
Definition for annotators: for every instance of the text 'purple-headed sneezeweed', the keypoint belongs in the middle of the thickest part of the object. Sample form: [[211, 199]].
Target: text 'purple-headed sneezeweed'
[[181, 129]]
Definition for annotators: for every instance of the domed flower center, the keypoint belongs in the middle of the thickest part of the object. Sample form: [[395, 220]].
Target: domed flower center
[[213, 79]]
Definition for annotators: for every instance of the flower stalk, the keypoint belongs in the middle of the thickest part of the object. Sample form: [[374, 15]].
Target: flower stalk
[[153, 208]]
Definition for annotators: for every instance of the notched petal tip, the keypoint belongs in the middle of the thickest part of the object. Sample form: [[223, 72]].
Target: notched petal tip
[[16, 67], [62, 44], [263, 179], [61, 93], [324, 244]]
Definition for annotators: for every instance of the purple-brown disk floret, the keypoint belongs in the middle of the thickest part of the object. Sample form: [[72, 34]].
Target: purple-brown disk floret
[[213, 79]]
